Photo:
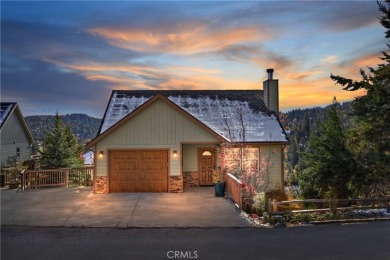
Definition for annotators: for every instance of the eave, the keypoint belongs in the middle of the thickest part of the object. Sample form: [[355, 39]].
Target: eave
[[145, 106]]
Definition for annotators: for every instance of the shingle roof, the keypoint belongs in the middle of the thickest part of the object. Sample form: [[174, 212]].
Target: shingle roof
[[5, 111], [219, 110]]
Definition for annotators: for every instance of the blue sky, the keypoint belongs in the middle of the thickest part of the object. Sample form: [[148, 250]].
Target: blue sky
[[69, 56]]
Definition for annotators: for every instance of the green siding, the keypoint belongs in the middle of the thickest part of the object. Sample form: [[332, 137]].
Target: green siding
[[159, 126], [13, 135]]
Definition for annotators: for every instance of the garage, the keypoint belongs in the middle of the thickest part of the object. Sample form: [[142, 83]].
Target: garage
[[138, 171]]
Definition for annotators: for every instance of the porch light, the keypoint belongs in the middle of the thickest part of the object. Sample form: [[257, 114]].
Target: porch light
[[101, 154], [174, 154]]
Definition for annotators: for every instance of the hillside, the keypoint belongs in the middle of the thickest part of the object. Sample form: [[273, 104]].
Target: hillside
[[300, 124], [82, 125]]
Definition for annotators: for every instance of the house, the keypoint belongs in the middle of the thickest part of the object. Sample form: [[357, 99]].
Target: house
[[88, 158], [162, 140], [16, 138]]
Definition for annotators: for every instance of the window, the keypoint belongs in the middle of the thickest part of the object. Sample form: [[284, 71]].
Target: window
[[250, 158], [207, 153], [17, 152], [241, 159]]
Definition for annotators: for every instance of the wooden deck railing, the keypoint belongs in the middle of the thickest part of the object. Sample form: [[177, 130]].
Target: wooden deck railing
[[9, 175], [67, 177], [334, 205], [233, 189]]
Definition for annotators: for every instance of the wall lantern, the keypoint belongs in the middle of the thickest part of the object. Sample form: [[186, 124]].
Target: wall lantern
[[101, 154], [174, 154]]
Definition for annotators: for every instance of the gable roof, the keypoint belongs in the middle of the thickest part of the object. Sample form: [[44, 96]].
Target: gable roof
[[6, 110], [142, 107], [218, 110]]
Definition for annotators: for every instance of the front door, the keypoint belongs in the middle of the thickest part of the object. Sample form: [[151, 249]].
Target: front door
[[207, 165]]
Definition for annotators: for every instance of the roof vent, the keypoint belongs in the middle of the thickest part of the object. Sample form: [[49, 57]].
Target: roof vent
[[270, 73]]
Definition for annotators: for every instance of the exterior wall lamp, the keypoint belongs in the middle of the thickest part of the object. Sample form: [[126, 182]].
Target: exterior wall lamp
[[101, 154], [174, 154]]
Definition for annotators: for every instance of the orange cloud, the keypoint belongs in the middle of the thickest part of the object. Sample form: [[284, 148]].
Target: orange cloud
[[119, 82], [319, 92], [329, 59], [302, 75], [188, 39], [297, 89], [351, 68], [371, 60]]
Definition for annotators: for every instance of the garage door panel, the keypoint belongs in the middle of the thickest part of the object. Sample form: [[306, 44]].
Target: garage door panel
[[151, 176], [124, 176], [151, 165], [138, 171]]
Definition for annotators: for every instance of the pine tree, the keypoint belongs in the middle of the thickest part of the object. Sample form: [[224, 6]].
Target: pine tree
[[370, 137], [327, 166], [60, 149]]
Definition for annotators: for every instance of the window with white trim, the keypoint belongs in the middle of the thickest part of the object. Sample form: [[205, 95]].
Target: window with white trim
[[17, 153]]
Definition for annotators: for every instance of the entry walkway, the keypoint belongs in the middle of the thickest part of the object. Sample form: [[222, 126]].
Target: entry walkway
[[79, 207]]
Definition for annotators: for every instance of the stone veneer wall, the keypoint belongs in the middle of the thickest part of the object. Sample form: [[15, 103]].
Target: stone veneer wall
[[101, 185], [191, 179], [176, 184]]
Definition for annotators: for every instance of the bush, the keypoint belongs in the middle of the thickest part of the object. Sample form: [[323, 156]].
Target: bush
[[278, 195], [259, 203]]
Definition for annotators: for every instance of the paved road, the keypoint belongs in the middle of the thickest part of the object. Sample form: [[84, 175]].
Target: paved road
[[353, 241]]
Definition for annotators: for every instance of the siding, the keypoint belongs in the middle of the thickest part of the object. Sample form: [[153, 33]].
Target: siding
[[13, 130], [274, 153], [159, 126], [190, 156]]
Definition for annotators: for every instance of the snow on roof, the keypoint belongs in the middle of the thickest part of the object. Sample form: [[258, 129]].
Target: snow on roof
[[5, 109], [236, 115]]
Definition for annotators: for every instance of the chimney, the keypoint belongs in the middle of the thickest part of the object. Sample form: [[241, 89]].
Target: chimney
[[270, 73], [271, 92]]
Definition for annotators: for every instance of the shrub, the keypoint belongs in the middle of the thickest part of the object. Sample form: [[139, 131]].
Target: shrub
[[259, 203]]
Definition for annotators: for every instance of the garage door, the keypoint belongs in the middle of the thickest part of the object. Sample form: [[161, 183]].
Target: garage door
[[138, 171]]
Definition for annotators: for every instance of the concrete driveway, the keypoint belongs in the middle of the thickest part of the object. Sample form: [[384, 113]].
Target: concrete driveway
[[79, 207]]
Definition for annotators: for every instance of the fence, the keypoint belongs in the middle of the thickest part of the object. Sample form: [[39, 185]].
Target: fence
[[67, 177], [234, 189], [333, 205], [8, 176]]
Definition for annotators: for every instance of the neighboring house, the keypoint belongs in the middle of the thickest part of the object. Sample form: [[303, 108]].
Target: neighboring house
[[88, 158], [16, 138], [160, 141]]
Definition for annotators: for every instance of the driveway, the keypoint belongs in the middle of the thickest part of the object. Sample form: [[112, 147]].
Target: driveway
[[80, 207]]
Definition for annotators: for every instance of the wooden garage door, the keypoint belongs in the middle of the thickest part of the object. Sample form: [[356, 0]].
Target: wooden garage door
[[138, 171]]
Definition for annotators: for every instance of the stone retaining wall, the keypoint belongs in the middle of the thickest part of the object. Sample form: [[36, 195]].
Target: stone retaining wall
[[191, 179], [176, 184]]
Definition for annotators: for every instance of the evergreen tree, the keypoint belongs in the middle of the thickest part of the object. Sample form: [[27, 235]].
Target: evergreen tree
[[60, 149], [370, 137], [327, 166]]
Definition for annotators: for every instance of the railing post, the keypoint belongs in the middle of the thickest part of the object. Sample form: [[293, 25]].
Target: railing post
[[274, 206], [269, 208], [239, 195], [333, 207], [67, 178], [22, 180]]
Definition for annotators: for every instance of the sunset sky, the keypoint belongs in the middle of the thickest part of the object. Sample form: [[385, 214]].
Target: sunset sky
[[68, 56]]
